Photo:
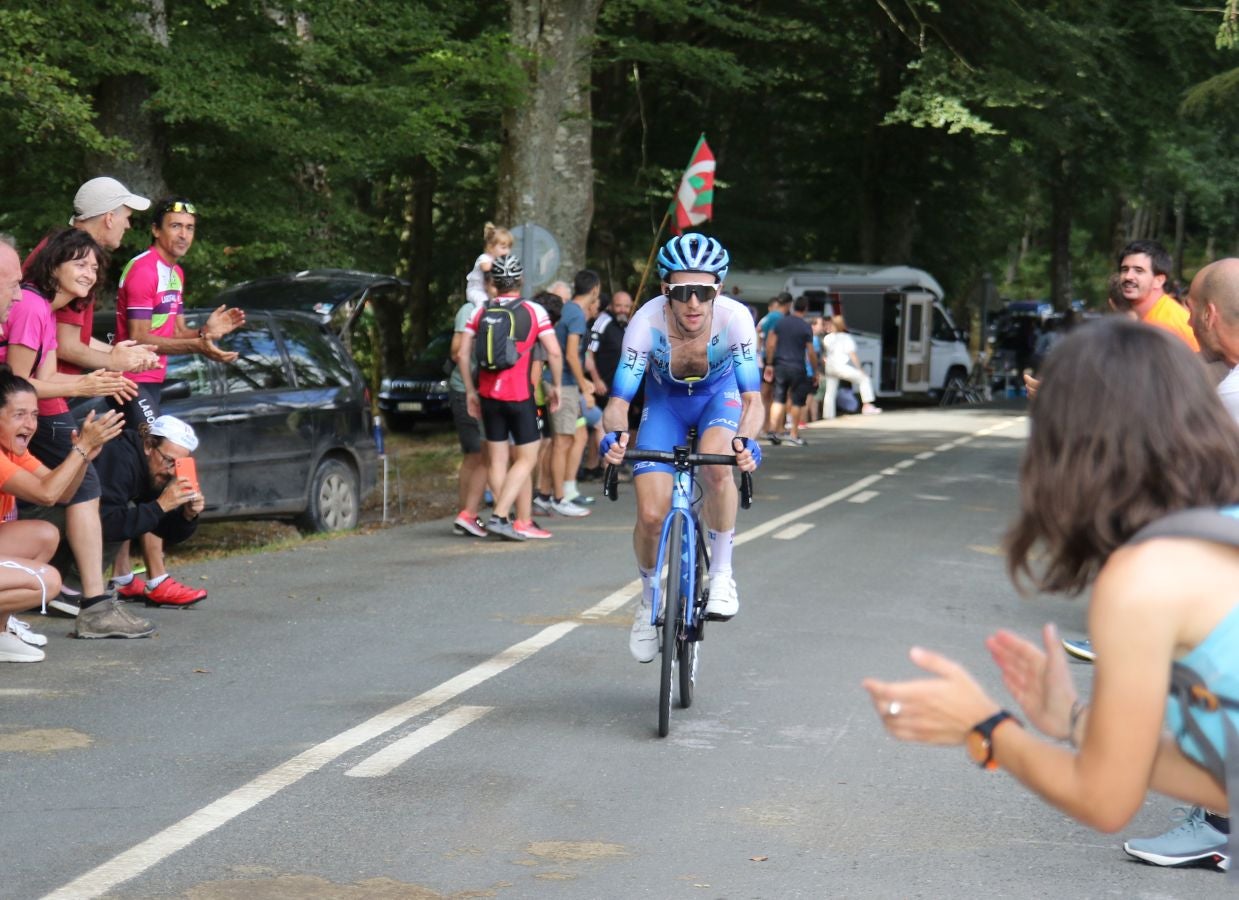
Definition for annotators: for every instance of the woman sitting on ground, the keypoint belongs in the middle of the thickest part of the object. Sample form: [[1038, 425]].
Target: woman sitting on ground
[[1126, 431]]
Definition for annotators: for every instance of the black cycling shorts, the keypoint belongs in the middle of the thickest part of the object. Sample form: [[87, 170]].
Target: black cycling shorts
[[517, 419], [467, 428], [793, 382]]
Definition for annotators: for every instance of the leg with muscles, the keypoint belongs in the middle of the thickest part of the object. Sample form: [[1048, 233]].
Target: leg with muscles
[[719, 512], [24, 584], [653, 500]]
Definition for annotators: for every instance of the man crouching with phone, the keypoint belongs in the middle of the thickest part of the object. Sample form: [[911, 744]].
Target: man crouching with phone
[[149, 485]]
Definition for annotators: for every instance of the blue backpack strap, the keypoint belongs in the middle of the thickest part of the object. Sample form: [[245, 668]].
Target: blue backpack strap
[[1219, 526]]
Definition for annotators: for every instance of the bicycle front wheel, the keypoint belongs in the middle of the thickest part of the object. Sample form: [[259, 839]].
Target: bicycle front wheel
[[690, 643], [672, 619]]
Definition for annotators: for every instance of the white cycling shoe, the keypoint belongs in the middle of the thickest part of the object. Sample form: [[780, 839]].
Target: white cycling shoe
[[643, 639], [723, 602]]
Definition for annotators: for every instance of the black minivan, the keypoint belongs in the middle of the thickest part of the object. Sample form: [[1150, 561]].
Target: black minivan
[[285, 431]]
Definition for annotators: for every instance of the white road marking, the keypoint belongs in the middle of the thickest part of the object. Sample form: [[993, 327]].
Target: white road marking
[[158, 847], [791, 532], [890, 471], [155, 849], [410, 745], [928, 454], [942, 448], [862, 497], [930, 497], [959, 442]]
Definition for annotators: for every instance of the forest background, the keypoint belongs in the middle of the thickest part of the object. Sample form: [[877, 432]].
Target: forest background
[[1014, 144]]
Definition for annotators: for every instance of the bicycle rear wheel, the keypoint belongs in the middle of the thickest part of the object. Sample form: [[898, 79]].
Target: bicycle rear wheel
[[690, 644], [672, 619]]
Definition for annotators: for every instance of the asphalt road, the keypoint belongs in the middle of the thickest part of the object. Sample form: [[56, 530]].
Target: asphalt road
[[410, 714]]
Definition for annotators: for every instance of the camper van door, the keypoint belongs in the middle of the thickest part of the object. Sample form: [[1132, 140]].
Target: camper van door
[[918, 309]]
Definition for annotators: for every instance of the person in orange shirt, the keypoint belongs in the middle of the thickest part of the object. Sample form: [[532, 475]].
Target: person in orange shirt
[[1144, 268]]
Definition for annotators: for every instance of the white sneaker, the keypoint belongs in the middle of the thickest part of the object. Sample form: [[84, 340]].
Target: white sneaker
[[19, 628], [643, 639], [13, 649], [567, 508], [723, 602]]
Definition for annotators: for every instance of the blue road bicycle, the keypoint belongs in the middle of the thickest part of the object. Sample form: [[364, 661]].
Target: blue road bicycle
[[679, 601]]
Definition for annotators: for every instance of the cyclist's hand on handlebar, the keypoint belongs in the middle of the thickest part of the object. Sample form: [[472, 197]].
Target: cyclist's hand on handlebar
[[612, 447], [748, 453]]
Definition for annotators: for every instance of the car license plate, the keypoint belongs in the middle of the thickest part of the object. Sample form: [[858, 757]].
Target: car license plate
[[409, 407]]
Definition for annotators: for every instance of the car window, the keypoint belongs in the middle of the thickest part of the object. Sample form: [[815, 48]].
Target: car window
[[192, 369], [942, 329], [316, 360], [259, 365]]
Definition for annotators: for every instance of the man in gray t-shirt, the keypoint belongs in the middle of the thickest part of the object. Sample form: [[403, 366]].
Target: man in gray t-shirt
[[469, 431]]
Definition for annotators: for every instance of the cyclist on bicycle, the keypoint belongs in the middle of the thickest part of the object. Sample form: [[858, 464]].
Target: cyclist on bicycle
[[701, 350]]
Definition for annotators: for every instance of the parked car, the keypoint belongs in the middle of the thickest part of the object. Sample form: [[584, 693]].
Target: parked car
[[285, 431], [420, 392], [336, 296]]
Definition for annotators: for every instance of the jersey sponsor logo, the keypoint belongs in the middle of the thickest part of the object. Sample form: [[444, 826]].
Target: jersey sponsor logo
[[730, 423], [745, 349], [644, 464], [631, 355]]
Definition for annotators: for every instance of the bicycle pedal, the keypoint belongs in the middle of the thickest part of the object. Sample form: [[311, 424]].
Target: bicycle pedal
[[715, 617]]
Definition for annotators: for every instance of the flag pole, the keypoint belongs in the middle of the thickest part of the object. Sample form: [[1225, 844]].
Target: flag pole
[[645, 274]]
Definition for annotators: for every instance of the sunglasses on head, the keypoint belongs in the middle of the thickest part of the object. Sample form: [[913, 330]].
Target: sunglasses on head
[[681, 293], [181, 206]]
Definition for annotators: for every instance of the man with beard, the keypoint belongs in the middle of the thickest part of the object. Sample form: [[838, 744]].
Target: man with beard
[[1144, 269], [141, 493]]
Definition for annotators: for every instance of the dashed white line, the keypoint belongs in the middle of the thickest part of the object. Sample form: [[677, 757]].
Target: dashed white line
[[410, 745], [791, 532], [862, 497], [928, 454], [905, 463], [942, 448]]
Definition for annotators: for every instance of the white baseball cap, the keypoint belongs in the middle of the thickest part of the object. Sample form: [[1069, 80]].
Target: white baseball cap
[[102, 195], [176, 431]]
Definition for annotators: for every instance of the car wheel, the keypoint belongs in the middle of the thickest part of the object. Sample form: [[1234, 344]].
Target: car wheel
[[335, 501]]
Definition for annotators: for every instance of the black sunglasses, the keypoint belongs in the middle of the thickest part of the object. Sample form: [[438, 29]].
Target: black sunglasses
[[681, 293]]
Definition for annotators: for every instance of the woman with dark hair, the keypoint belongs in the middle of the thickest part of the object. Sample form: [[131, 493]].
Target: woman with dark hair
[[1128, 484], [63, 273], [27, 580]]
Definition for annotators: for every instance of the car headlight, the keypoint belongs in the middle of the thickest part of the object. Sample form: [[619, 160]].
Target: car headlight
[[385, 385], [441, 387]]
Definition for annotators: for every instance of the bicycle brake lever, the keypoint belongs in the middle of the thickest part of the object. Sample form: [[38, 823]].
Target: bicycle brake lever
[[746, 489], [609, 481]]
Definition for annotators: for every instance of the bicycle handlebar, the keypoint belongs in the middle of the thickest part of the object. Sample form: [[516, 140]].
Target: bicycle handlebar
[[680, 458]]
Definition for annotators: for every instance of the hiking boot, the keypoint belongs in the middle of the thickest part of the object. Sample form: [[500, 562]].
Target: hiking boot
[[1192, 842], [568, 508], [108, 619], [531, 530], [134, 590], [504, 529], [1081, 650], [643, 639], [466, 523], [65, 607], [723, 602], [14, 649], [22, 632], [172, 593]]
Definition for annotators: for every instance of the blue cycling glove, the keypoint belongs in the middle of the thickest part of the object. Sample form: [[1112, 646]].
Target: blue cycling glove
[[609, 440], [749, 444]]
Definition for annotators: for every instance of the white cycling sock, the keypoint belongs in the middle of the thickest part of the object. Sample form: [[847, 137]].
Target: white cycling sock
[[123, 580], [720, 551], [156, 582], [649, 581]]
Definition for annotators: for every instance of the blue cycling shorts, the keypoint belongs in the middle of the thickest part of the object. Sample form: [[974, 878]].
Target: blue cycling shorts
[[668, 414]]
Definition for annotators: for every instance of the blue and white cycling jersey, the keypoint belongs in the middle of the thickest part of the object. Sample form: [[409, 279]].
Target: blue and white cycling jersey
[[731, 354]]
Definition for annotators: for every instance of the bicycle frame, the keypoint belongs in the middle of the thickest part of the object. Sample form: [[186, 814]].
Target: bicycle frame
[[681, 512]]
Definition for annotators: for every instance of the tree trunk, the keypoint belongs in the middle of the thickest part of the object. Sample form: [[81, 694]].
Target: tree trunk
[[120, 101], [1180, 225], [546, 171], [420, 254], [1060, 234]]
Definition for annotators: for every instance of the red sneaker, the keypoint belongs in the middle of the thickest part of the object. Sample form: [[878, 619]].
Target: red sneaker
[[531, 529], [134, 590], [172, 593]]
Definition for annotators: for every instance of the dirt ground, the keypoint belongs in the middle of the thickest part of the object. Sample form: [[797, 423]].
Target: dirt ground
[[421, 485]]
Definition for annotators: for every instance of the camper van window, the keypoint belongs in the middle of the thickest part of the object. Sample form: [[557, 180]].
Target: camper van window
[[915, 322], [942, 328]]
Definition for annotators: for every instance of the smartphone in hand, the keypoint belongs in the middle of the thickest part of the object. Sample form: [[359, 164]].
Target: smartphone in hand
[[187, 469]]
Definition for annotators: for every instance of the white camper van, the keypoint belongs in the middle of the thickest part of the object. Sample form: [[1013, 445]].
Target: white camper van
[[904, 335]]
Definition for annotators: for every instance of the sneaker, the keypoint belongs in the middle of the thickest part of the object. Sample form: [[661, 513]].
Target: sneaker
[[795, 441], [503, 529], [542, 503], [1192, 842], [134, 590], [723, 602], [643, 639], [22, 632], [172, 593], [1081, 650], [66, 607], [531, 530], [109, 618], [14, 649], [870, 410], [568, 508], [773, 438], [467, 524], [581, 500]]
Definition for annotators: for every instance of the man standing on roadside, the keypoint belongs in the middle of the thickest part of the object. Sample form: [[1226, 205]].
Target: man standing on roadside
[[1144, 267], [149, 309], [571, 331], [788, 342], [472, 477]]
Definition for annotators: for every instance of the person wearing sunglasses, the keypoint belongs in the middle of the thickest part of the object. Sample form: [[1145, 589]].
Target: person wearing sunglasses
[[149, 310], [700, 350]]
